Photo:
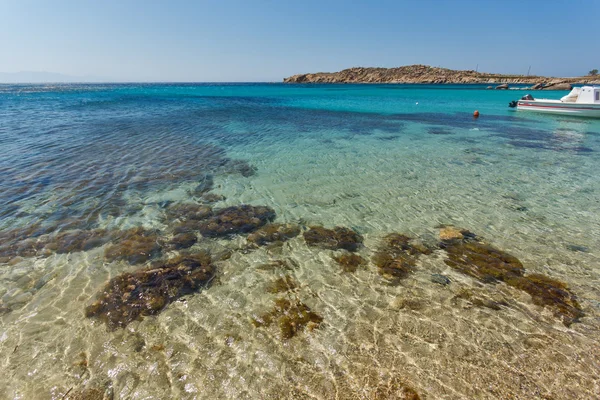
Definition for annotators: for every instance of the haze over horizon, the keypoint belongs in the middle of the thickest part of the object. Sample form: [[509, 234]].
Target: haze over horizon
[[235, 41]]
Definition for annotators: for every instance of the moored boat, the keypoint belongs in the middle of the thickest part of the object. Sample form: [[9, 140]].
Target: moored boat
[[583, 102]]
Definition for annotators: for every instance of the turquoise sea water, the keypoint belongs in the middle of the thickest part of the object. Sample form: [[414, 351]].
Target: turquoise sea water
[[374, 158]]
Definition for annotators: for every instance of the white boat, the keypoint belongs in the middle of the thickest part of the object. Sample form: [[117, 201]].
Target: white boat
[[583, 102]]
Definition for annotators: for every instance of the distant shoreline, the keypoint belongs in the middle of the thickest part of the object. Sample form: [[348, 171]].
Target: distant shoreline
[[550, 83], [425, 74]]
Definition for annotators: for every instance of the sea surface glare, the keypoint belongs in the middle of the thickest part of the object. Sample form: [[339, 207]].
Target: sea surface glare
[[272, 241]]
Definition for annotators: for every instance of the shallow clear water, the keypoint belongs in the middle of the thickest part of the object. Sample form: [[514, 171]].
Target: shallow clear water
[[375, 158]]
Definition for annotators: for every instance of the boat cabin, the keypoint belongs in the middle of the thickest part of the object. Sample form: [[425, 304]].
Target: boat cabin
[[585, 95], [589, 94]]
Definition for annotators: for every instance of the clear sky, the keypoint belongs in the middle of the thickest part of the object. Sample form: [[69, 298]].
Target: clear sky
[[260, 40]]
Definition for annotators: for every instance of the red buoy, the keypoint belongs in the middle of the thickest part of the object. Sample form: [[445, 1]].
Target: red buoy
[[476, 114]]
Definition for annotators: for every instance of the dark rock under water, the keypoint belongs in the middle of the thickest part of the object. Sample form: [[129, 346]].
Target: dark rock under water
[[397, 256], [350, 262], [334, 239], [136, 246], [469, 255], [273, 234], [291, 317], [132, 295], [235, 220]]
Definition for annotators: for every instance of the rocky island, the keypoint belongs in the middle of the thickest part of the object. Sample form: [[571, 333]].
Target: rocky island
[[428, 74]]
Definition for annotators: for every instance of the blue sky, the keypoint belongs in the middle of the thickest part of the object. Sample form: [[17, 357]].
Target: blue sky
[[235, 40]]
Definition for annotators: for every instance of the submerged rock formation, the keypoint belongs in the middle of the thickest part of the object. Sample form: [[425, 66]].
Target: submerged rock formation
[[188, 211], [425, 74], [135, 245], [79, 240], [349, 261], [275, 234], [483, 262], [129, 296], [397, 256], [282, 284], [334, 239], [292, 317], [468, 254], [182, 241], [236, 219]]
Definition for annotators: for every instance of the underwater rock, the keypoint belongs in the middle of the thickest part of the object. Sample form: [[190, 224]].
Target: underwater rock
[[548, 292], [32, 231], [239, 166], [333, 239], [491, 265], [440, 279], [73, 241], [479, 300], [23, 242], [397, 258], [182, 241], [17, 299], [186, 227], [394, 266], [400, 242], [130, 296], [204, 186], [349, 261], [273, 233], [235, 220], [15, 245], [577, 248], [396, 391], [88, 394], [282, 284], [135, 245], [483, 261], [291, 317], [24, 248], [410, 394], [408, 302], [189, 211], [487, 303], [213, 197], [450, 233]]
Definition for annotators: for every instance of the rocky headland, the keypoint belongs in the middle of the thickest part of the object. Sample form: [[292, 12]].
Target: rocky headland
[[436, 75]]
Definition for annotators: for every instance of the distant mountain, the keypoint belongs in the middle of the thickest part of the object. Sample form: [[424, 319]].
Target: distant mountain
[[44, 77], [425, 74]]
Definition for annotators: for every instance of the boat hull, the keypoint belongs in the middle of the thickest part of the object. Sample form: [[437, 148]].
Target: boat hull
[[557, 107]]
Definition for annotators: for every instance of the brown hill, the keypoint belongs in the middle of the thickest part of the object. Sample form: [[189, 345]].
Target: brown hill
[[427, 74]]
